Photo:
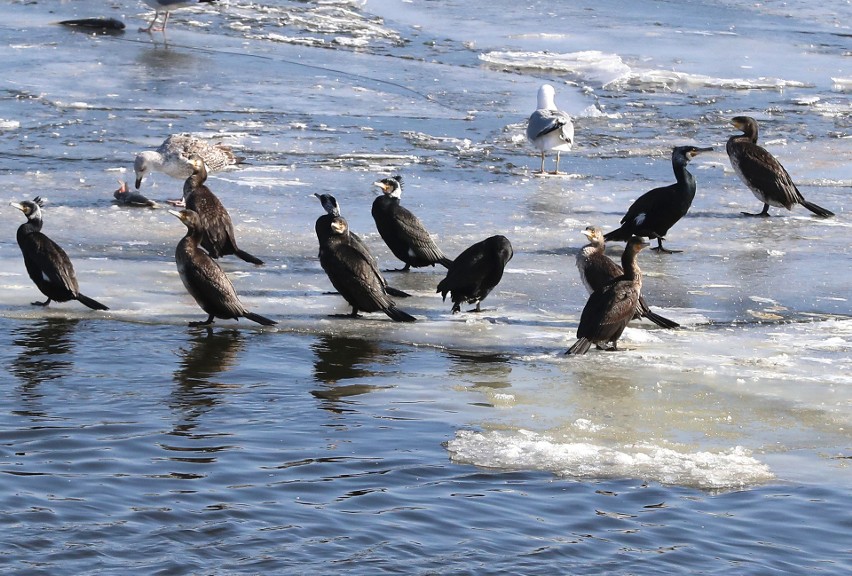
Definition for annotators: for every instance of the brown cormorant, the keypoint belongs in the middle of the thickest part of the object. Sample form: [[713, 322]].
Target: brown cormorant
[[549, 128], [762, 173], [47, 264], [353, 272], [204, 279], [218, 231], [597, 270], [609, 309], [402, 231], [476, 271]]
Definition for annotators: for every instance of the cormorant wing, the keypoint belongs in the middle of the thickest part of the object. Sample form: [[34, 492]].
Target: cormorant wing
[[50, 262], [606, 312], [600, 271], [468, 271], [647, 209], [766, 173], [420, 241], [209, 283]]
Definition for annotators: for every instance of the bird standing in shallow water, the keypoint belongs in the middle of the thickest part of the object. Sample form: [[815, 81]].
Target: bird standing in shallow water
[[549, 128], [47, 264], [762, 173], [218, 236], [172, 157], [597, 270], [609, 309], [476, 271], [402, 231], [204, 279], [167, 6], [655, 211]]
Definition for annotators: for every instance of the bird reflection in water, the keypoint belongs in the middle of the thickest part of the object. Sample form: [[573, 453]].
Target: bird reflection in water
[[45, 354], [490, 371], [340, 358]]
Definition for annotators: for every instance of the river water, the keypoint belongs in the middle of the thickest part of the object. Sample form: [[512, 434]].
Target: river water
[[463, 444]]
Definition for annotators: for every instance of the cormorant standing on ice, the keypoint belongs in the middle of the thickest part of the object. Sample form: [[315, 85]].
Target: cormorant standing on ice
[[609, 309], [597, 270], [402, 231], [550, 128], [204, 279], [655, 211], [762, 173], [353, 272], [47, 263], [218, 236], [476, 271]]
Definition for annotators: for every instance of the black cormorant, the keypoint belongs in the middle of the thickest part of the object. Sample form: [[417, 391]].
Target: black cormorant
[[655, 211], [218, 231], [762, 173], [402, 231], [47, 264], [352, 271], [597, 270], [476, 271], [549, 128], [609, 309], [204, 279]]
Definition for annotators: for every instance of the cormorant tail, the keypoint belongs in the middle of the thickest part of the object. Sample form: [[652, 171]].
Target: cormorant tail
[[396, 292], [445, 262], [260, 319], [818, 210], [93, 304], [247, 257], [398, 315], [660, 321], [581, 346], [619, 234]]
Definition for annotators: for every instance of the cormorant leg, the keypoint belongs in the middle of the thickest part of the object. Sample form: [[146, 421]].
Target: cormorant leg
[[477, 309], [207, 322], [45, 303], [763, 214], [456, 307], [659, 248]]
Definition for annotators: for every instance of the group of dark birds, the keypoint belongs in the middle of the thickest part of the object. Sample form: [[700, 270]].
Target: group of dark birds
[[614, 291]]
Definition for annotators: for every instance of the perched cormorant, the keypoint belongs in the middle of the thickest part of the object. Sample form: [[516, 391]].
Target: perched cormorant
[[167, 6], [402, 231], [352, 271], [597, 270], [655, 211], [609, 309], [218, 238], [47, 264], [332, 208], [127, 198], [204, 279], [549, 128], [762, 173], [172, 157], [476, 271]]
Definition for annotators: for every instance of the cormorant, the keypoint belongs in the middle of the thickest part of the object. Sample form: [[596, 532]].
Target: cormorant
[[655, 211], [167, 6], [609, 309], [402, 231], [597, 270], [549, 128], [47, 263], [476, 271], [204, 279], [352, 271], [762, 173], [173, 155], [127, 198], [218, 238], [332, 208]]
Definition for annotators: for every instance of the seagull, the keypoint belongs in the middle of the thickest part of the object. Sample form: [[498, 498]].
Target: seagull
[[172, 157], [549, 128], [167, 6]]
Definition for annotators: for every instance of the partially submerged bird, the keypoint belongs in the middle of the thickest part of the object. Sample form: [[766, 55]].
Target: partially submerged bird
[[597, 270], [218, 236], [550, 129], [128, 198], [609, 309], [173, 155], [352, 271], [204, 279], [762, 173], [476, 271], [402, 231], [655, 211], [47, 263], [167, 7]]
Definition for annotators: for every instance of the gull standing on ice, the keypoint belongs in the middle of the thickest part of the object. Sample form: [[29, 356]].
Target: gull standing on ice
[[549, 128], [172, 157], [167, 6]]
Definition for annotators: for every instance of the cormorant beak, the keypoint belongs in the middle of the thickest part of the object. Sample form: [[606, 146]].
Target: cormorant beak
[[382, 186], [698, 151], [18, 206], [177, 214], [588, 233]]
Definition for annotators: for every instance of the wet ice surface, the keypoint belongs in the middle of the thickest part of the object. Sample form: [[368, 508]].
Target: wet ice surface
[[752, 393]]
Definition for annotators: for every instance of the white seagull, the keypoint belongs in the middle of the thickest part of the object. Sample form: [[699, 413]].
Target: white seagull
[[166, 6], [549, 128], [172, 157]]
